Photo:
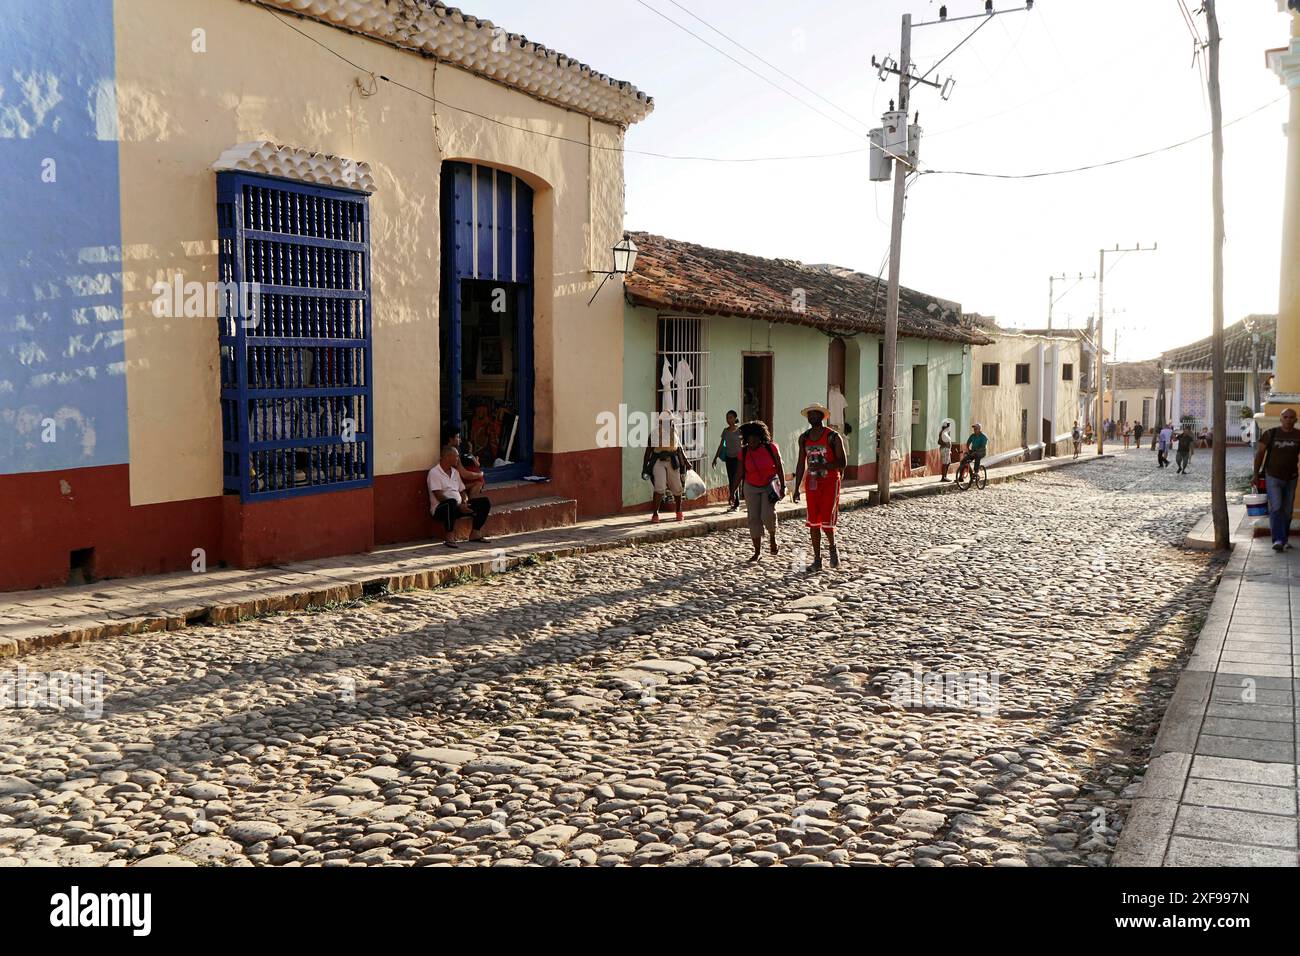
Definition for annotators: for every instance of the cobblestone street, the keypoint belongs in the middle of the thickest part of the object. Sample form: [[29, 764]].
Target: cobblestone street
[[666, 704]]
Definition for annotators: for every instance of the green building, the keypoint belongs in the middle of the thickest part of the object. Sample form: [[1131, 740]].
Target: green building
[[710, 330]]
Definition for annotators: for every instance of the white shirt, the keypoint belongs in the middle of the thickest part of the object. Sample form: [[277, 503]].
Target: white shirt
[[666, 437], [450, 485], [836, 403]]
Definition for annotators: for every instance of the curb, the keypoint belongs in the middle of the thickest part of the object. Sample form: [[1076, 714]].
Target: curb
[[341, 586]]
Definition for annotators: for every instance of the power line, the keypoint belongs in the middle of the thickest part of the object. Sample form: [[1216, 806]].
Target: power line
[[746, 66], [769, 64], [1112, 162], [564, 139], [731, 159], [983, 24]]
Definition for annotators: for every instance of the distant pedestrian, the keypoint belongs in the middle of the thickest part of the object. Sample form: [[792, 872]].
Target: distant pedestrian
[[1076, 436], [1138, 428], [762, 477], [945, 447], [729, 452], [1163, 441], [1277, 459], [1127, 432], [1184, 444], [821, 453]]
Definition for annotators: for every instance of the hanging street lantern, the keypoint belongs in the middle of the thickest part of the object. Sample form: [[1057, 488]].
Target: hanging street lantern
[[624, 262]]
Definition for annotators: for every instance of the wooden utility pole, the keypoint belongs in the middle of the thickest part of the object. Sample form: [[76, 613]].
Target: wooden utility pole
[[905, 163], [1219, 454], [888, 386]]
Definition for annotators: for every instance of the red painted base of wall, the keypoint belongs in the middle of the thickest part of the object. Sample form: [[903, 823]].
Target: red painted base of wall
[[294, 529], [48, 515]]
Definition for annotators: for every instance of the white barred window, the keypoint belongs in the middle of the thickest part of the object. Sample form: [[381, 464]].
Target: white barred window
[[1234, 386], [682, 382]]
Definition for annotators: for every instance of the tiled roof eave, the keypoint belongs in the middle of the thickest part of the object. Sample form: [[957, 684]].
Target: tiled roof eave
[[837, 325], [477, 46]]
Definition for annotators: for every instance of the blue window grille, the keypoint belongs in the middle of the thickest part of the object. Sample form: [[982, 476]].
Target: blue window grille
[[296, 411]]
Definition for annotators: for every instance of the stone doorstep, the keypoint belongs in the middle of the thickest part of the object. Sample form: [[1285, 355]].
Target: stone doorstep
[[228, 601]]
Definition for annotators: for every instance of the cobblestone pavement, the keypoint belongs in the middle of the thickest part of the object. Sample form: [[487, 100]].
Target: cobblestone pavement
[[664, 704]]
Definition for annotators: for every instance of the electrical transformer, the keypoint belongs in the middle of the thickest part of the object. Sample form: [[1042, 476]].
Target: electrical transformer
[[882, 167], [895, 133]]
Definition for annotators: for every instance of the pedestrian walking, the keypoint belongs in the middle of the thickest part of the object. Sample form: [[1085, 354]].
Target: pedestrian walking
[[1183, 448], [821, 454], [665, 465], [729, 452], [1138, 429], [945, 447], [1076, 436], [1127, 432], [761, 475], [1277, 458], [1163, 440]]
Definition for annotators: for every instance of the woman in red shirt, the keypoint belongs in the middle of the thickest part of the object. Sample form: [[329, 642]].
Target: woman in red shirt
[[762, 477]]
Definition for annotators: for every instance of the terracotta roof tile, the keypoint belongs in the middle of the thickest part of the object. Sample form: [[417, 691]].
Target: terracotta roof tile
[[677, 276], [1133, 374], [1236, 348]]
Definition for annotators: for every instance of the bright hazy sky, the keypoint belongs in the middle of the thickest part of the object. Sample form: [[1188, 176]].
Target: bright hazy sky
[[1070, 83]]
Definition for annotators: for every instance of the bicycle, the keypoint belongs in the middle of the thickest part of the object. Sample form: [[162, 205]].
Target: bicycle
[[965, 477]]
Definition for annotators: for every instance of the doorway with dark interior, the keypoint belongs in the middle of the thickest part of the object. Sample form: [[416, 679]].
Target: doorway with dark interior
[[486, 324]]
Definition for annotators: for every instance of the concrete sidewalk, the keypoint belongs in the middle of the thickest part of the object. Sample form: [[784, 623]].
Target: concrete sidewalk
[[1221, 789], [31, 620]]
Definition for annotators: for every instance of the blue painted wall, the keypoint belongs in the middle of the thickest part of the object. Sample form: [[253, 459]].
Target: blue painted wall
[[61, 339]]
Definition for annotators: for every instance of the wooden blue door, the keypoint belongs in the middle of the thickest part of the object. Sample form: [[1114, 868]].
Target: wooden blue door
[[486, 328]]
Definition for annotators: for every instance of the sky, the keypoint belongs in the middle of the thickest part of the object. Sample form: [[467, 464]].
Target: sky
[[1070, 83]]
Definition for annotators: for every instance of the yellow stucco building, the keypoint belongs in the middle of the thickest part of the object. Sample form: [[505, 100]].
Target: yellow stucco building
[[1025, 392], [419, 205]]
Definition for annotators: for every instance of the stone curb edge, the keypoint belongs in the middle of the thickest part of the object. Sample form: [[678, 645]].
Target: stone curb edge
[[316, 598]]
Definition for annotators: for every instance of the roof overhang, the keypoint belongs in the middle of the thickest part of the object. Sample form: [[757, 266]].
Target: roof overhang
[[480, 47]]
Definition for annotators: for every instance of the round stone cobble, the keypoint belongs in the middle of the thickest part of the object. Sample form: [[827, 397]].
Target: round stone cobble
[[977, 685]]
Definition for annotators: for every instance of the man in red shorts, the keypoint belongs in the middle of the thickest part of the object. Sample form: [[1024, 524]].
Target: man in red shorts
[[821, 453]]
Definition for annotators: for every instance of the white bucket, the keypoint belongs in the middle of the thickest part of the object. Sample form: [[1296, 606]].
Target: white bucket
[[1256, 505]]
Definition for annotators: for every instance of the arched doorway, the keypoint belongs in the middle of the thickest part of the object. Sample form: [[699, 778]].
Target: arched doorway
[[486, 322], [837, 383]]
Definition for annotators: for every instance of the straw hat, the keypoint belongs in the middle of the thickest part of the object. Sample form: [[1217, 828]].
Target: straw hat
[[817, 407]]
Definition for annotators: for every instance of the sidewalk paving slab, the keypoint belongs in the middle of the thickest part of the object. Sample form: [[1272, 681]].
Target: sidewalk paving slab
[[35, 620], [1221, 789]]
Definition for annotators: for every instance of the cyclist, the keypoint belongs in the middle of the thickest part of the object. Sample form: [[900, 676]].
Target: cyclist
[[1077, 437], [976, 445]]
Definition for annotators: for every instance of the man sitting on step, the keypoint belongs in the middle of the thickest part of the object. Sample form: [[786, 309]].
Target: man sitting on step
[[449, 501]]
